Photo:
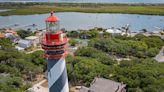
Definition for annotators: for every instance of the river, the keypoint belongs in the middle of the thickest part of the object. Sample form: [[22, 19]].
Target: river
[[76, 20]]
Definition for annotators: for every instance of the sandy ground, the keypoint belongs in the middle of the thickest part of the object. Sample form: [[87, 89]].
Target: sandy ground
[[38, 87], [160, 56]]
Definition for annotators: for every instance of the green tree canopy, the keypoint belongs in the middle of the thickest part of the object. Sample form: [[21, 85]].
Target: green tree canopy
[[5, 43], [153, 41], [94, 53], [24, 33]]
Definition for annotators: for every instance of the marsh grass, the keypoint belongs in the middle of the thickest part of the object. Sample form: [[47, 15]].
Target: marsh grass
[[88, 8]]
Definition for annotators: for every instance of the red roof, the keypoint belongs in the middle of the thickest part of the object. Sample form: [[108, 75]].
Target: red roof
[[10, 31], [52, 18], [2, 35]]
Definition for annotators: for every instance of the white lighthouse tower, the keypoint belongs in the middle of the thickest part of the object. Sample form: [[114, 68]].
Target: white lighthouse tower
[[54, 43]]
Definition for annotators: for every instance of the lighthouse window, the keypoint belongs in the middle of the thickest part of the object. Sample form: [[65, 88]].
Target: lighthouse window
[[52, 26]]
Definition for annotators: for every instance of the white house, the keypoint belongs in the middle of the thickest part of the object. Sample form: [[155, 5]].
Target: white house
[[115, 31], [33, 39], [24, 43]]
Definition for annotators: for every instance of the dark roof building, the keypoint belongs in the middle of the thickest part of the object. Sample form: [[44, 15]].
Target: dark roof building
[[104, 85]]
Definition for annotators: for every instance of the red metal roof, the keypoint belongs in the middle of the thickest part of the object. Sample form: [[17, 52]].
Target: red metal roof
[[2, 35], [52, 18]]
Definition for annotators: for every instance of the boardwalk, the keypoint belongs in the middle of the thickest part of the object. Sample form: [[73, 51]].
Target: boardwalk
[[160, 56]]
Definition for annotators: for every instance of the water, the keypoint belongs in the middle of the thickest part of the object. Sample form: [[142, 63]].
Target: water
[[75, 20], [90, 1]]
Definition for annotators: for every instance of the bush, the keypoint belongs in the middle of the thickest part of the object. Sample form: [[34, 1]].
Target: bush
[[153, 41], [96, 54], [86, 69], [119, 47], [24, 33], [73, 42]]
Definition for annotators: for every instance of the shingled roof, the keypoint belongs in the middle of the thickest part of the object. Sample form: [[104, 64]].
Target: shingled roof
[[104, 85]]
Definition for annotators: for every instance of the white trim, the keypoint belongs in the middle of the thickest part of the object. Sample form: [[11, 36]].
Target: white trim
[[66, 87]]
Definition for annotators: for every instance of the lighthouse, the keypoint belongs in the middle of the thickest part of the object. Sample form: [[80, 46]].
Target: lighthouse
[[54, 44]]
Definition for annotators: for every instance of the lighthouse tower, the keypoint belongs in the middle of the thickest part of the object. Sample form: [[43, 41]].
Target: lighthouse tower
[[54, 43]]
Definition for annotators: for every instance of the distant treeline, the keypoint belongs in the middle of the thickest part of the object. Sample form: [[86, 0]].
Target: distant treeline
[[22, 4]]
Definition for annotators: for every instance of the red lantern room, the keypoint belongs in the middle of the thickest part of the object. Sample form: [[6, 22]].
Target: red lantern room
[[52, 23], [54, 40]]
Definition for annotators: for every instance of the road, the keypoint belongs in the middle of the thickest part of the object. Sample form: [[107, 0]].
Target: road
[[160, 56]]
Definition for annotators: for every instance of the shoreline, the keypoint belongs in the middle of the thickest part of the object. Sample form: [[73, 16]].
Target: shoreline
[[42, 8]]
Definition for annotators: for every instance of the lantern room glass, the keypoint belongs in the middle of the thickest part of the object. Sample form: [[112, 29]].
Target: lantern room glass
[[52, 26]]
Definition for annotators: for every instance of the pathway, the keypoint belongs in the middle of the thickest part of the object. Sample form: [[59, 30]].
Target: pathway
[[33, 51], [38, 87], [160, 56]]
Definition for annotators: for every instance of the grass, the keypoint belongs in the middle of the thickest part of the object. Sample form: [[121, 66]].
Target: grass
[[87, 8]]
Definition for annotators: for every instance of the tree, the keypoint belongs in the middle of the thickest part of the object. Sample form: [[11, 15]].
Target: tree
[[153, 41], [24, 33], [18, 67], [11, 84], [85, 69], [93, 34], [152, 52], [140, 75], [139, 37], [6, 43], [107, 35], [37, 58], [96, 54], [119, 47], [73, 34], [73, 42]]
